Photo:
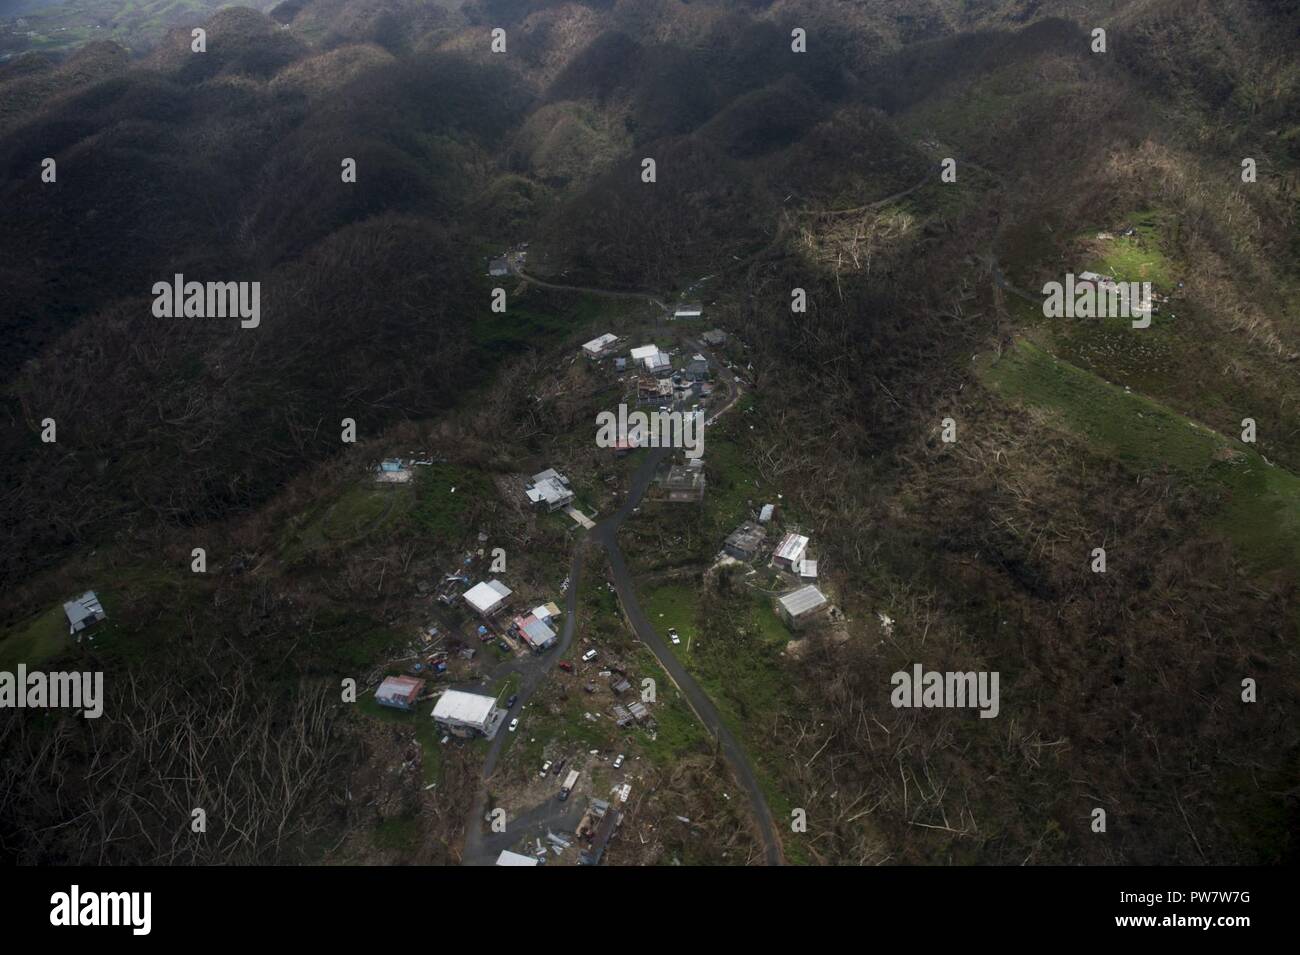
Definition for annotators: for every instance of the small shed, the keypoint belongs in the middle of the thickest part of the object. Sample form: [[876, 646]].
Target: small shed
[[84, 611]]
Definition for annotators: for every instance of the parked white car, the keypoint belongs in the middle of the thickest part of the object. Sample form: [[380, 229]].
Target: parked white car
[[672, 635], [546, 768], [618, 761], [589, 656], [514, 724]]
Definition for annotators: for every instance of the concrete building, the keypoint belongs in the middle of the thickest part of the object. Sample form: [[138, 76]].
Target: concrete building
[[514, 858], [661, 365], [488, 598], [801, 606], [468, 714], [789, 553], [549, 490], [715, 337], [652, 359], [498, 267], [84, 611], [808, 569], [767, 513], [683, 484], [745, 542], [600, 347], [399, 692]]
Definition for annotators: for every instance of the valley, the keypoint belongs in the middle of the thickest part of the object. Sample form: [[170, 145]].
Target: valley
[[844, 262]]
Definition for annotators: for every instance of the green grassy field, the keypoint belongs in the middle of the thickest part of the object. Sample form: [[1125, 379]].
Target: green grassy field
[[36, 639], [1260, 509]]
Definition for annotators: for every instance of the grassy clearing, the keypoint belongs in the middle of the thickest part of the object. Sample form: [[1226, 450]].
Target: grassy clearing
[[35, 640], [735, 487], [1261, 504], [1138, 258], [447, 497], [355, 514]]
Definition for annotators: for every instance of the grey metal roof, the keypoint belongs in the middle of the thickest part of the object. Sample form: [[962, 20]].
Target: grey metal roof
[[802, 601]]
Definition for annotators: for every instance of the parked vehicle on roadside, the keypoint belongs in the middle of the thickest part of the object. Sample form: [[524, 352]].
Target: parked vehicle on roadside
[[589, 656], [569, 782], [566, 666], [672, 635], [546, 768], [618, 760]]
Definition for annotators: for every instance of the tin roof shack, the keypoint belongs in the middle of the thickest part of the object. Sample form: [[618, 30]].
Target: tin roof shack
[[745, 542], [499, 267], [802, 606], [688, 311], [683, 483], [468, 714], [488, 598], [600, 347], [715, 337], [84, 611], [622, 715], [790, 552], [393, 471], [514, 858], [399, 692], [599, 824], [549, 490], [535, 633]]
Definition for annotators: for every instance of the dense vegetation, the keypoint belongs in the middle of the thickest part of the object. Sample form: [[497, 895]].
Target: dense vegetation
[[1121, 690]]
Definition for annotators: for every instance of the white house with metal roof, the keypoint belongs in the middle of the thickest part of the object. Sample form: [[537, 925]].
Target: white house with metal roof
[[468, 714], [549, 489]]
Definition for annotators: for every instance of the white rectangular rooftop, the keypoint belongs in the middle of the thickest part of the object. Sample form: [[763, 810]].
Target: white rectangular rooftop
[[485, 596], [460, 707]]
